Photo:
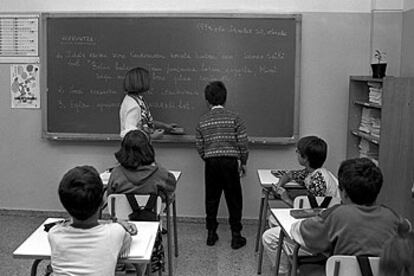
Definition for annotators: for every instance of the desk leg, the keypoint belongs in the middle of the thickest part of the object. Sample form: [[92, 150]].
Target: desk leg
[[262, 226], [295, 260], [140, 270], [169, 240], [279, 251], [35, 264], [175, 228]]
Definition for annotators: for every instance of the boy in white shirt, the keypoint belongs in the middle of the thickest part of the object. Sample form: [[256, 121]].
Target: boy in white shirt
[[83, 246]]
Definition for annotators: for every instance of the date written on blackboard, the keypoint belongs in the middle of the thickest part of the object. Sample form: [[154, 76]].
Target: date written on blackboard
[[239, 30]]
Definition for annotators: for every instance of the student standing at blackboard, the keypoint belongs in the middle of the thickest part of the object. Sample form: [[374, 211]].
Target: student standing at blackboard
[[134, 113], [221, 141]]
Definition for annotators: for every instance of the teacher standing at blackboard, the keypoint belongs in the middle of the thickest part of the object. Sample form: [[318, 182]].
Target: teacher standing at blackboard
[[134, 113]]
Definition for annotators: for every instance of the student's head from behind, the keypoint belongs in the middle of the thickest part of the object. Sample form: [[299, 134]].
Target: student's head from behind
[[360, 181], [215, 93], [137, 81], [398, 253], [81, 191], [136, 150], [312, 151]]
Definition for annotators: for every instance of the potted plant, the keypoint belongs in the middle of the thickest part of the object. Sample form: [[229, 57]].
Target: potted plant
[[378, 68]]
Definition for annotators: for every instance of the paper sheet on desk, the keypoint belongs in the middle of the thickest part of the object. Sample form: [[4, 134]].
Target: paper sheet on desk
[[140, 244]]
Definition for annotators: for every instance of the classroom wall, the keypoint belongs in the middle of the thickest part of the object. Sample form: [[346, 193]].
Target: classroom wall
[[408, 5], [336, 43], [386, 35], [407, 44]]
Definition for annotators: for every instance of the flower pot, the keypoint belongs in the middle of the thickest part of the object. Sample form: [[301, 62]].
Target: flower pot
[[378, 70]]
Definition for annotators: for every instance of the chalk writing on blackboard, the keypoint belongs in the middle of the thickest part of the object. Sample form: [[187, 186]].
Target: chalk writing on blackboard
[[255, 57]]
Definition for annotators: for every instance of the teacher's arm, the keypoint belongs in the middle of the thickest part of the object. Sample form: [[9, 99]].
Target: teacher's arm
[[166, 126]]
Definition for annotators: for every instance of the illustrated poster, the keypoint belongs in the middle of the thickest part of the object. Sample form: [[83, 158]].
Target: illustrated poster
[[25, 86]]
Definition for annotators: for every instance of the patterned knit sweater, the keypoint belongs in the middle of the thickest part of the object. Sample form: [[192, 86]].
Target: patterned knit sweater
[[221, 133]]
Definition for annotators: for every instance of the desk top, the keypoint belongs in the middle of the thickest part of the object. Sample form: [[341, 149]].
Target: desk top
[[285, 220], [106, 174], [267, 179], [36, 246]]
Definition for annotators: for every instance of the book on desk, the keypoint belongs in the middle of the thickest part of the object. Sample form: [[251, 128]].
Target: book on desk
[[305, 213]]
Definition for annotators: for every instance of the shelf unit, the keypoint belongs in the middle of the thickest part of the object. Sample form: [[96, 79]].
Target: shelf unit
[[358, 100], [395, 144]]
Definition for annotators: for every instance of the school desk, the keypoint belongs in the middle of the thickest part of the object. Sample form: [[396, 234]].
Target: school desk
[[170, 202], [267, 180], [285, 221], [106, 174], [37, 247]]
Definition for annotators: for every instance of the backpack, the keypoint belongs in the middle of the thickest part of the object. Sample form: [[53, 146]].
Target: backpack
[[146, 213]]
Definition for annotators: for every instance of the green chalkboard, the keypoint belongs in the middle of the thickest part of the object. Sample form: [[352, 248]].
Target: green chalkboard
[[87, 55]]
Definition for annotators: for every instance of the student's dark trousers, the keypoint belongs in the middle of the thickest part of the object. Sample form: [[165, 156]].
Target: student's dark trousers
[[222, 174]]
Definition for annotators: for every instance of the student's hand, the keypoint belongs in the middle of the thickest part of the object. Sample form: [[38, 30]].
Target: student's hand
[[242, 170], [129, 227], [284, 179]]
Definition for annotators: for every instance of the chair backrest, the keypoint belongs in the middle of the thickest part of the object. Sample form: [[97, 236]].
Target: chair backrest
[[339, 265], [119, 207], [303, 201]]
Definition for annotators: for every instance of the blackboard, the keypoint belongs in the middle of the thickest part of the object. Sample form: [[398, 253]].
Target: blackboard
[[87, 56]]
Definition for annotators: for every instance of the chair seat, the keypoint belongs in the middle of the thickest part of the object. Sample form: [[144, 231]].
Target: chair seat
[[341, 265]]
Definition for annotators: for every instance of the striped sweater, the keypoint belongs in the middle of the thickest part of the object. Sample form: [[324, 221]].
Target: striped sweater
[[221, 133]]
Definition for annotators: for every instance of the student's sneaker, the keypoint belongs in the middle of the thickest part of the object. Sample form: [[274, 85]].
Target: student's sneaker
[[212, 237], [237, 240]]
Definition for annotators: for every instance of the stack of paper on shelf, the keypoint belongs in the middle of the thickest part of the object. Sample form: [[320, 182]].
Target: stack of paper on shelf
[[375, 92], [369, 150], [365, 124], [370, 122], [375, 127]]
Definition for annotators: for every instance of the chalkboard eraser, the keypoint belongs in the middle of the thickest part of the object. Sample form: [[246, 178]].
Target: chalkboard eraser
[[176, 131]]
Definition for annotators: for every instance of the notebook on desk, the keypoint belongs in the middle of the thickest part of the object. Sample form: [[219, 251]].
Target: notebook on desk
[[305, 213], [139, 245]]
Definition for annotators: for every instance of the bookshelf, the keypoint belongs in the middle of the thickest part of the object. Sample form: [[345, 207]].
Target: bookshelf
[[361, 131], [388, 137]]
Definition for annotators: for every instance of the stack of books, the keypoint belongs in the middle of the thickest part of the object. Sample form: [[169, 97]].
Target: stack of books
[[370, 122], [365, 125], [375, 92], [375, 126]]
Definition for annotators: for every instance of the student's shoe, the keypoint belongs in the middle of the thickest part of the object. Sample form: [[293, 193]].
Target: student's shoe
[[212, 238], [237, 240]]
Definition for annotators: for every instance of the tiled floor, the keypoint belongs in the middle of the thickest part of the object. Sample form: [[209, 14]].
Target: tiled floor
[[195, 258]]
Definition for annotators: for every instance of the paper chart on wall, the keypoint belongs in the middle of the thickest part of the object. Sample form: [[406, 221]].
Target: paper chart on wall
[[24, 86]]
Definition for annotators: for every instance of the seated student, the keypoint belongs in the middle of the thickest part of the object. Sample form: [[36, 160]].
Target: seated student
[[138, 173], [356, 227], [311, 153], [84, 246], [398, 253]]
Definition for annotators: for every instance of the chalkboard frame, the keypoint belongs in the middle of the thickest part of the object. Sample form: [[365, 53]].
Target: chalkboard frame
[[167, 138]]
